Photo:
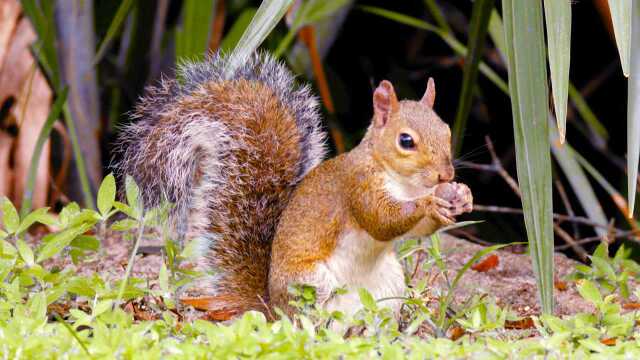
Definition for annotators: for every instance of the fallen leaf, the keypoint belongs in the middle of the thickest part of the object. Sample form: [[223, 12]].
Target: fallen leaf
[[220, 315], [560, 285], [456, 333], [631, 306], [22, 81], [609, 341], [521, 324], [61, 309], [6, 173], [487, 264]]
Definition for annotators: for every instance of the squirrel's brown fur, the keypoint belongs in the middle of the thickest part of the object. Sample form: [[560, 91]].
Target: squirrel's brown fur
[[228, 152], [231, 152]]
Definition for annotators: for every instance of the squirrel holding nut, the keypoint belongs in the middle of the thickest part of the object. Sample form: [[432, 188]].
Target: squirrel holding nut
[[240, 157]]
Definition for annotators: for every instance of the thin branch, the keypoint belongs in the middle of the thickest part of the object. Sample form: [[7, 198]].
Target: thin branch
[[558, 217], [567, 206]]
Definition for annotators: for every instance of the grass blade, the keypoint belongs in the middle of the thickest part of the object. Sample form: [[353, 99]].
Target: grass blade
[[621, 18], [116, 23], [41, 15], [54, 114], [524, 35], [452, 42], [616, 197], [587, 114], [478, 31], [496, 32], [438, 16], [578, 180], [558, 18], [267, 17], [633, 112], [237, 29], [192, 39]]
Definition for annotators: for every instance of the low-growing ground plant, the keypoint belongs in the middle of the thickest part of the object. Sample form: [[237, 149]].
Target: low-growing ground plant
[[48, 310]]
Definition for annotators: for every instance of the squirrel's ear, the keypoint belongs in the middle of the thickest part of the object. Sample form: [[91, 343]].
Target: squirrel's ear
[[429, 96], [384, 102]]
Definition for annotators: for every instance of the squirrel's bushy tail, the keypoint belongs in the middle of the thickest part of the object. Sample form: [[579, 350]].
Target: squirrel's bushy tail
[[227, 151]]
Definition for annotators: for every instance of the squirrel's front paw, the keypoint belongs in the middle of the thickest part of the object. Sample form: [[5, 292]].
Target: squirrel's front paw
[[457, 195]]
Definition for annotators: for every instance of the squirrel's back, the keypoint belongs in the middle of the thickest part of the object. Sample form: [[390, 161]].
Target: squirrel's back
[[227, 151]]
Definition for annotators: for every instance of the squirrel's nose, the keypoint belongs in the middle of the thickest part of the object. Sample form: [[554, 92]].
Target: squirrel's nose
[[446, 175]]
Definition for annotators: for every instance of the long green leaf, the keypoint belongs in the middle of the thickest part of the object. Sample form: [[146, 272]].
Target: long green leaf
[[621, 18], [578, 180], [438, 15], [116, 23], [524, 35], [41, 14], [267, 17], [496, 32], [311, 11], [54, 114], [192, 39], [452, 42], [477, 33], [558, 17], [237, 29], [587, 114], [633, 112]]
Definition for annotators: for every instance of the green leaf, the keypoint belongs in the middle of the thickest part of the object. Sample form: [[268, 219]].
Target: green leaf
[[107, 194], [192, 38], [132, 192], [59, 241], [41, 15], [367, 300], [10, 217], [25, 252], [496, 32], [38, 305], [601, 251], [633, 95], [124, 225], [589, 291], [578, 180], [604, 268], [116, 23], [123, 208], [86, 242], [452, 42], [587, 114], [480, 16], [524, 35], [237, 29], [40, 215], [558, 18], [163, 279], [621, 18], [317, 10], [266, 18]]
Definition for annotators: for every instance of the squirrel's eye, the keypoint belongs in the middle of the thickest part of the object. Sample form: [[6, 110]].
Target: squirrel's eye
[[406, 141]]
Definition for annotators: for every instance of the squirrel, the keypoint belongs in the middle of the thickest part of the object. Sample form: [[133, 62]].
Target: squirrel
[[241, 155]]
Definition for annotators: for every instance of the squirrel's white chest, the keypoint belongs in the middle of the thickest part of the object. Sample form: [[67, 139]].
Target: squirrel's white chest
[[359, 261]]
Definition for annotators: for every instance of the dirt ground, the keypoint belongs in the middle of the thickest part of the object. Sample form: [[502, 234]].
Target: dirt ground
[[511, 282]]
